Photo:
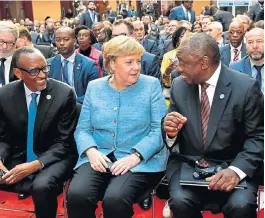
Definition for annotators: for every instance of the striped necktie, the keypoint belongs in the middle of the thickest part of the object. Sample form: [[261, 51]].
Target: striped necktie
[[205, 110], [236, 57]]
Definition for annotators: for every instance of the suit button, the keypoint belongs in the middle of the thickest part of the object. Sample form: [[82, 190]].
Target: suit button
[[16, 147], [115, 108], [113, 134], [114, 121]]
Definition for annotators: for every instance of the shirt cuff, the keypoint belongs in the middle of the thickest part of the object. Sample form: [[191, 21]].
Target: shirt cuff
[[42, 165], [170, 141], [239, 172]]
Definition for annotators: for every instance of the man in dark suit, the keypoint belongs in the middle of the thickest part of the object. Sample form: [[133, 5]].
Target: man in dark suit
[[183, 12], [70, 67], [139, 34], [37, 121], [8, 39], [24, 39], [236, 49], [91, 16], [224, 17], [253, 64], [149, 62], [216, 115], [255, 9]]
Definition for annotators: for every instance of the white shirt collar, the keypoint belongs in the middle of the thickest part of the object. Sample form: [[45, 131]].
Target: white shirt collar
[[239, 47], [212, 81], [221, 41], [28, 92], [252, 63], [185, 9], [70, 59]]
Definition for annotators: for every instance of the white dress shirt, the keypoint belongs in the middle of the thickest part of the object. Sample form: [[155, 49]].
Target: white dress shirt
[[29, 97], [233, 53], [71, 64], [210, 93], [187, 12]]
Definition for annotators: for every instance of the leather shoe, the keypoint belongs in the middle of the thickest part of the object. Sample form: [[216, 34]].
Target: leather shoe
[[146, 203], [22, 196]]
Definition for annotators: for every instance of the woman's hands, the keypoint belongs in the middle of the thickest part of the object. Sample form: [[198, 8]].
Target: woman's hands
[[123, 165], [98, 160]]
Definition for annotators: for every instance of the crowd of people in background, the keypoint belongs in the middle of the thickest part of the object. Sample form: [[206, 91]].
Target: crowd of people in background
[[140, 54]]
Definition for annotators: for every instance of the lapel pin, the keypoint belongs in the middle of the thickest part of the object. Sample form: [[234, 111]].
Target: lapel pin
[[48, 97], [78, 66], [222, 96]]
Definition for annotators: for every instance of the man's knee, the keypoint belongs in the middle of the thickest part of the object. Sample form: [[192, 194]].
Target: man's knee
[[241, 204], [116, 202], [178, 202]]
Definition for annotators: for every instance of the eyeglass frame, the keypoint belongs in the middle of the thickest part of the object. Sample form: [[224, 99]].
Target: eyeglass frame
[[39, 69], [8, 44]]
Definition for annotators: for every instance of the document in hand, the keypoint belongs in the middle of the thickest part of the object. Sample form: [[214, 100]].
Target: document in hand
[[186, 178]]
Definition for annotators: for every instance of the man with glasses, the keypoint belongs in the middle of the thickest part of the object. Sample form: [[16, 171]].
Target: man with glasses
[[38, 117], [70, 67], [183, 12], [8, 38]]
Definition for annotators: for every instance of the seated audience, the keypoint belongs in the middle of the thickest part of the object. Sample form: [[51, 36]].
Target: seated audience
[[114, 165], [197, 27], [85, 40], [70, 67]]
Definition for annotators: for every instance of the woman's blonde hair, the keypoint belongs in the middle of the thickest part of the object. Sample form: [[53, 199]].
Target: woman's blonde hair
[[120, 46]]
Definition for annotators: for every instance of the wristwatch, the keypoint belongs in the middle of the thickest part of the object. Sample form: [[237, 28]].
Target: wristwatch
[[138, 154]]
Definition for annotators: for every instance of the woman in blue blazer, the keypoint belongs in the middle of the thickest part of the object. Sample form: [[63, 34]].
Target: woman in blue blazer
[[118, 136]]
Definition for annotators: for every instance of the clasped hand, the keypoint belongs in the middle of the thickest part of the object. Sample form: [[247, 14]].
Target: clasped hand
[[224, 180], [98, 162], [173, 123]]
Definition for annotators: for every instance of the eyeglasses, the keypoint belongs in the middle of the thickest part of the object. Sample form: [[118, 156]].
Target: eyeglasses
[[36, 72], [121, 34], [9, 44], [85, 36]]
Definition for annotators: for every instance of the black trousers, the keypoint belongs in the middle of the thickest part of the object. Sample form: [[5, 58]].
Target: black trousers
[[119, 193], [188, 201], [45, 187]]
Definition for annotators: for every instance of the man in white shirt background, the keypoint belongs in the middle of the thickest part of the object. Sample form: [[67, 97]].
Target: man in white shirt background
[[8, 39]]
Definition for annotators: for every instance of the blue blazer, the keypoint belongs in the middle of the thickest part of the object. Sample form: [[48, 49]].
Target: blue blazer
[[226, 53], [177, 13], [243, 66], [85, 70], [120, 121]]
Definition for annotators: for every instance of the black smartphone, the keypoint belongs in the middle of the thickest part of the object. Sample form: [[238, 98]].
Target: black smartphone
[[109, 166], [2, 172]]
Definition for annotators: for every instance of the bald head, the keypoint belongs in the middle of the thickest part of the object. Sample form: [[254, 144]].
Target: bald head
[[236, 33]]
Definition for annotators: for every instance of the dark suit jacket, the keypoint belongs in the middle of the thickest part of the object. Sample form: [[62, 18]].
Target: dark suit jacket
[[151, 46], [85, 19], [226, 53], [224, 17], [12, 76], [235, 128], [253, 11], [85, 70], [54, 125], [46, 38], [46, 50], [177, 13]]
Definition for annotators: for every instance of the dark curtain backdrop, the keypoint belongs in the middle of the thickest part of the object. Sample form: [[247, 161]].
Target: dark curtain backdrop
[[27, 5], [65, 5], [2, 10]]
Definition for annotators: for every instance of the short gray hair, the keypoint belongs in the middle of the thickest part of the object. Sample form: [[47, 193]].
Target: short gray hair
[[218, 25], [200, 44], [8, 26]]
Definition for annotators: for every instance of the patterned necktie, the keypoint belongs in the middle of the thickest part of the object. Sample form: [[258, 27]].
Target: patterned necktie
[[31, 120], [187, 15], [205, 110], [236, 57], [258, 77], [2, 72], [65, 71]]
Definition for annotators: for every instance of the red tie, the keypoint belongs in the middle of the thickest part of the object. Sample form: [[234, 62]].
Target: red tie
[[205, 110], [236, 55]]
